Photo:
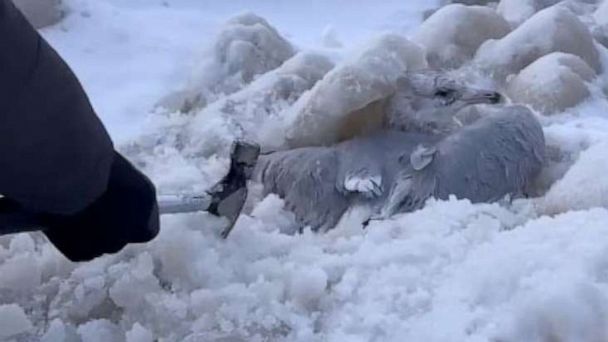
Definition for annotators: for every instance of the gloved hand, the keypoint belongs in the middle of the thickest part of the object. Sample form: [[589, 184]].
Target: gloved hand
[[126, 213]]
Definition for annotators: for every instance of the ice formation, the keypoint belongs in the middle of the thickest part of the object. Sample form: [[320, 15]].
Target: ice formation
[[553, 83], [554, 29], [518, 11], [249, 46], [582, 187], [522, 270], [13, 321], [246, 46], [452, 35], [600, 31], [345, 99], [256, 112]]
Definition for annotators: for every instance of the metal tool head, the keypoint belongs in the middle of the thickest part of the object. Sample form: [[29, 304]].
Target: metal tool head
[[245, 152], [243, 157], [231, 192], [227, 197]]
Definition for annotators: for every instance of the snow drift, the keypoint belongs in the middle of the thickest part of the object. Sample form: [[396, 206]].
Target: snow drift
[[452, 271], [452, 35], [553, 83], [582, 187], [250, 46], [343, 102], [256, 112], [600, 31], [518, 11], [554, 29], [246, 46]]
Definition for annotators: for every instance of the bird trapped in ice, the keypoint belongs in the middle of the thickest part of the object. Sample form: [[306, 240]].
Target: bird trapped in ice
[[393, 171]]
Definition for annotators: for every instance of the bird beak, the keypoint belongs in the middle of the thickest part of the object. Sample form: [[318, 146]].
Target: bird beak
[[481, 96]]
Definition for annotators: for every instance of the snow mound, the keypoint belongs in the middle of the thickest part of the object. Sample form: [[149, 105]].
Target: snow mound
[[182, 147], [600, 31], [520, 286], [59, 331], [453, 34], [345, 99], [256, 112], [41, 13], [13, 321], [247, 46], [584, 185], [330, 39], [601, 14], [552, 83], [554, 29], [560, 154], [518, 11], [471, 2], [100, 330], [139, 334]]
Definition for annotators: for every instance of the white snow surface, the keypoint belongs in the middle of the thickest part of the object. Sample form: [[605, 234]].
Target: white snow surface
[[556, 91], [452, 35], [553, 29], [526, 270]]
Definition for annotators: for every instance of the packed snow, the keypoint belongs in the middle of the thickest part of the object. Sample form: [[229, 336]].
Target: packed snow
[[554, 29], [175, 81], [452, 35], [565, 87], [340, 102]]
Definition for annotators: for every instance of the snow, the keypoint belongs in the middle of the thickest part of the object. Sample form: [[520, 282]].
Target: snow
[[13, 321], [246, 46], [557, 91], [523, 270], [336, 105], [255, 112], [600, 16], [518, 11], [583, 185], [554, 29], [139, 334], [99, 330], [452, 34]]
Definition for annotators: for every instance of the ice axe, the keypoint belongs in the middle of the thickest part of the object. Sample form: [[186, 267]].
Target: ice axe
[[225, 199]]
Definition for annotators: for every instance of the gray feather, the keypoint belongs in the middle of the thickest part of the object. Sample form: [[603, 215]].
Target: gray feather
[[498, 155], [394, 171]]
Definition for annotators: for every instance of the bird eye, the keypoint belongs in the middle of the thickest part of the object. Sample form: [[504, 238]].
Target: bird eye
[[444, 92]]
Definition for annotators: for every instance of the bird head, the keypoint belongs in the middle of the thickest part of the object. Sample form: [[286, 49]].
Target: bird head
[[428, 101]]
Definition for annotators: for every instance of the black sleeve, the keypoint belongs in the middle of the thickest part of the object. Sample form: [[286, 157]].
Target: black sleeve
[[127, 212], [55, 154], [57, 163]]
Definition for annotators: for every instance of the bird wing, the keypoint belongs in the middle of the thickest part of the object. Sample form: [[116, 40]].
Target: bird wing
[[496, 156], [360, 171], [305, 179], [366, 181]]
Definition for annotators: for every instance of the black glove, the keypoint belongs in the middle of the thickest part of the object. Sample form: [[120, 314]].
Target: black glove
[[126, 213]]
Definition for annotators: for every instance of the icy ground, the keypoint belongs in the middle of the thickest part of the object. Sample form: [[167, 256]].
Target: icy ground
[[450, 272]]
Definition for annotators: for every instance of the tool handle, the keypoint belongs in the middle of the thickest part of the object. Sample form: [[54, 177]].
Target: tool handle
[[176, 204], [14, 219]]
